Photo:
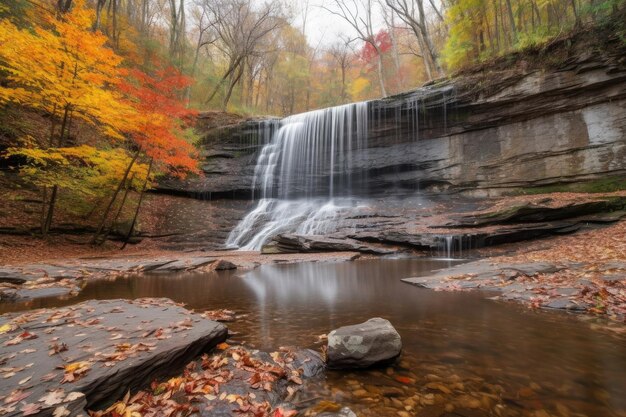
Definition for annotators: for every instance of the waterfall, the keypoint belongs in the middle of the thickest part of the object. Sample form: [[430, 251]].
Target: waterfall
[[303, 174], [314, 167]]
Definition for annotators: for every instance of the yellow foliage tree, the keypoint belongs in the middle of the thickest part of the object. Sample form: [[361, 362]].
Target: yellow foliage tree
[[64, 68]]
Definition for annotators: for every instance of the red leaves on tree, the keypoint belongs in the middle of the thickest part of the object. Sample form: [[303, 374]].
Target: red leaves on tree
[[382, 40], [162, 117]]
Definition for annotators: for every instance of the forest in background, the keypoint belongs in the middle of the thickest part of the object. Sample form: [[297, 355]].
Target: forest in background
[[252, 57], [97, 97]]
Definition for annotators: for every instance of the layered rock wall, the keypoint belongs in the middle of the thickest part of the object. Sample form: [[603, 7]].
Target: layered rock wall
[[481, 134]]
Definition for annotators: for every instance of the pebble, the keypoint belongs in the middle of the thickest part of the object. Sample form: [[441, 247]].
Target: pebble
[[438, 386], [466, 401], [360, 393], [391, 391]]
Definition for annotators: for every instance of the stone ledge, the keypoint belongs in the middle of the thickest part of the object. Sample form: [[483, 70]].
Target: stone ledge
[[88, 355]]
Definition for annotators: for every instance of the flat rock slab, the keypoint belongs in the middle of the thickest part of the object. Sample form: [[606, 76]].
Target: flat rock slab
[[531, 282], [89, 355], [291, 243], [45, 280], [481, 273], [14, 276], [232, 381]]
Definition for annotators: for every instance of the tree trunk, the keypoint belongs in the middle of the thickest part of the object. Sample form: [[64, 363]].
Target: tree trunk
[[44, 203], [233, 82], [432, 53], [113, 198], [496, 25], [231, 68], [44, 193], [63, 6], [48, 222], [420, 42], [576, 15], [99, 6], [119, 211], [53, 196], [396, 55], [509, 8], [143, 191], [344, 96], [381, 75]]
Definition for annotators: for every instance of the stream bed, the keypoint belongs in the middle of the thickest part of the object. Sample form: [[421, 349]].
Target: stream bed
[[463, 355]]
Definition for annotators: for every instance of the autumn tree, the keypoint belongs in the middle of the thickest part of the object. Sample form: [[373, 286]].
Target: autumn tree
[[359, 15], [64, 73], [241, 27], [159, 131], [413, 14]]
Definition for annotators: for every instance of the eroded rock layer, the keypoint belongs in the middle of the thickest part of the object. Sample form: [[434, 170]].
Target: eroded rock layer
[[534, 123]]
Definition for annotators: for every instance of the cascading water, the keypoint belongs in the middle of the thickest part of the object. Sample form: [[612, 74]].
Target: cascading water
[[304, 175], [311, 172]]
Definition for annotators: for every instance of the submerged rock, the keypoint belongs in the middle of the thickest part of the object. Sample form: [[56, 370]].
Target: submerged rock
[[374, 342], [344, 412], [223, 265], [309, 361]]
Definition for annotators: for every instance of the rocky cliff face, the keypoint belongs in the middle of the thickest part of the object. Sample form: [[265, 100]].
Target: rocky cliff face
[[480, 133]]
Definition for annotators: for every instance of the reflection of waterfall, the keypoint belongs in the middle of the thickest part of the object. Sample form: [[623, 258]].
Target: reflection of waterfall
[[317, 161], [311, 282]]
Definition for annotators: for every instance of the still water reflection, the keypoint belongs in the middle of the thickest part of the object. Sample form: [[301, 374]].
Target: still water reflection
[[463, 354]]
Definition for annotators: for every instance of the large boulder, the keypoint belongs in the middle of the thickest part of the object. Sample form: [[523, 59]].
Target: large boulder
[[374, 342]]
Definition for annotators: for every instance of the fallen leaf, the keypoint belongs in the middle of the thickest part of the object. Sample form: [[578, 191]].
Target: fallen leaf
[[25, 380], [30, 409], [15, 396], [60, 411], [53, 398], [5, 328], [73, 396]]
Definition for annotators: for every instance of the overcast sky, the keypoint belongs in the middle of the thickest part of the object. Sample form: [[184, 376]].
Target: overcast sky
[[322, 26]]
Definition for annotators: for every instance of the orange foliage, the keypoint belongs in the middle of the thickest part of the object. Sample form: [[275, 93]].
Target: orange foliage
[[162, 117]]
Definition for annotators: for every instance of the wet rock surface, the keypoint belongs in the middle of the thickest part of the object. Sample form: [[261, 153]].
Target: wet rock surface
[[90, 354], [374, 342], [343, 412], [559, 286], [452, 224], [61, 278], [232, 381], [290, 243]]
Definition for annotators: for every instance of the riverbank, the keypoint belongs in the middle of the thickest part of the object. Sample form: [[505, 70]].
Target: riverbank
[[64, 277], [451, 359], [578, 267], [584, 272], [98, 351]]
